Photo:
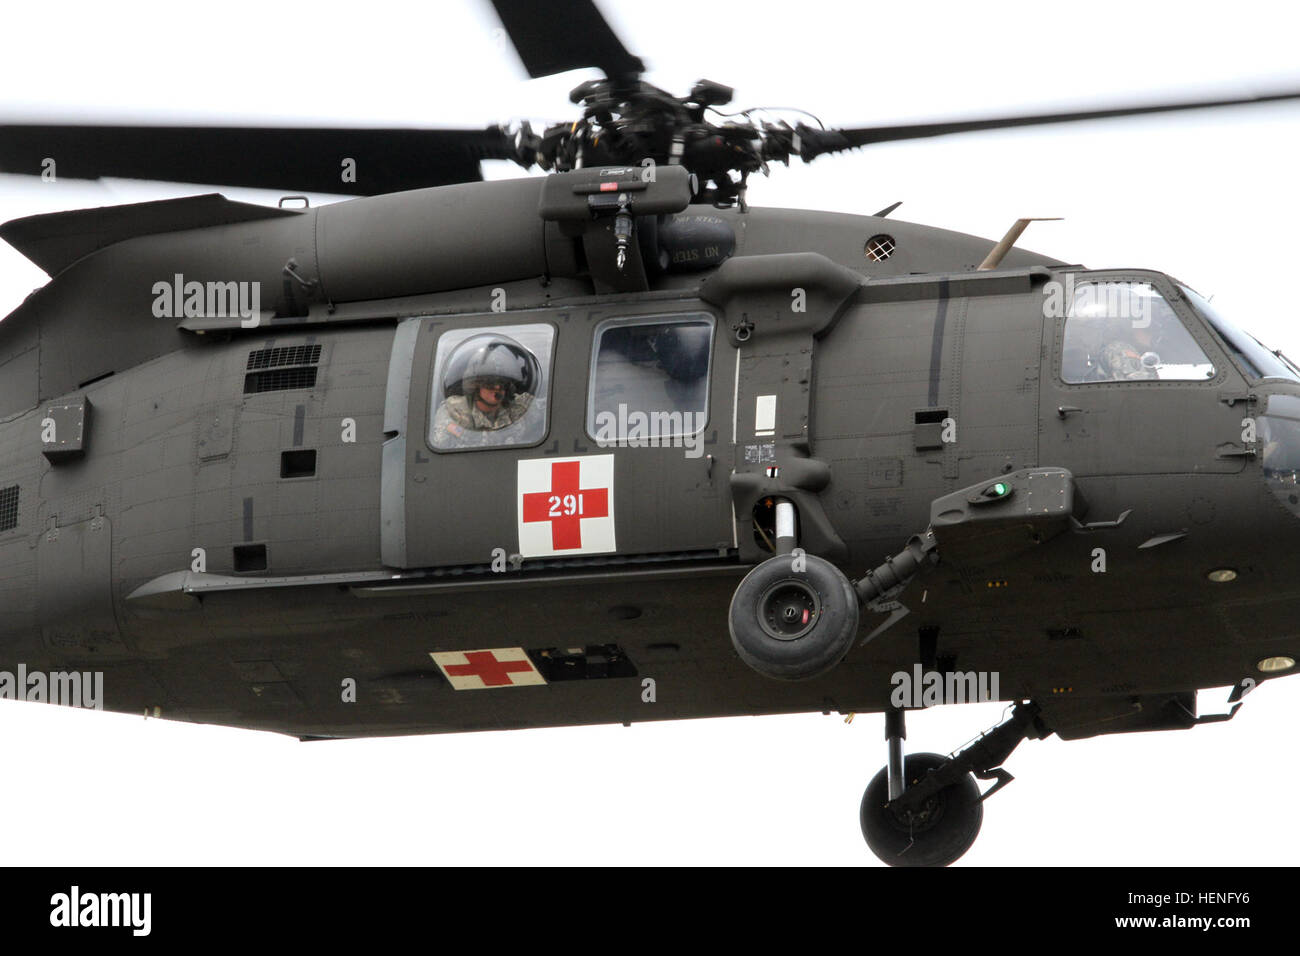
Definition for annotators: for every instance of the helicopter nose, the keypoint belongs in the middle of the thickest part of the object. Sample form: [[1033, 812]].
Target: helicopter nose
[[1278, 440]]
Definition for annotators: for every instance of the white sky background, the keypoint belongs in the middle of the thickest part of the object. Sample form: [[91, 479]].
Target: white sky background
[[1210, 197]]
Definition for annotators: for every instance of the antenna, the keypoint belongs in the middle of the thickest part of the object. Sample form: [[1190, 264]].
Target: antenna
[[999, 252]]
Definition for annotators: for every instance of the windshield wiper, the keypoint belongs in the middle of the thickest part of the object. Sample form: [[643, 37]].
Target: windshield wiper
[[1289, 364]]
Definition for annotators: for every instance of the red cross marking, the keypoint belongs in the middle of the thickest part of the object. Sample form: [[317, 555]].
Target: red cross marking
[[565, 505], [485, 666]]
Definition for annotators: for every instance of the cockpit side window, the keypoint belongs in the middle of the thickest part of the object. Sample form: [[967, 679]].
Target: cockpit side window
[[490, 388], [1124, 332]]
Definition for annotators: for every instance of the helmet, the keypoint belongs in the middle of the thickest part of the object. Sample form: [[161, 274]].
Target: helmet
[[491, 357], [1128, 330]]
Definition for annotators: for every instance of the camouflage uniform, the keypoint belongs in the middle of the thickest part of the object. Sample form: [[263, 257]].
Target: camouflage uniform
[[1121, 361], [459, 423]]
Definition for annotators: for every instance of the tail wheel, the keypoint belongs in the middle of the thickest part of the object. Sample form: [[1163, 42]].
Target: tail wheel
[[793, 617], [936, 833]]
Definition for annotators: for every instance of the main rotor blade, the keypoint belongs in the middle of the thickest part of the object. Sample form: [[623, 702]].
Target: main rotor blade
[[829, 141], [569, 35], [290, 159]]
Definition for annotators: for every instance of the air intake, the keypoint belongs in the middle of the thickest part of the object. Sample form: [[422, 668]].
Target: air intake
[[8, 508], [281, 357], [281, 369]]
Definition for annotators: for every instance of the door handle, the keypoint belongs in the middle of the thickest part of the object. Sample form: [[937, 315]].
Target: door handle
[[1233, 450], [1063, 410]]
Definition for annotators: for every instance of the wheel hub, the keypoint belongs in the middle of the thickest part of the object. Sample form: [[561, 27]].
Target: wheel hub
[[920, 818], [788, 610]]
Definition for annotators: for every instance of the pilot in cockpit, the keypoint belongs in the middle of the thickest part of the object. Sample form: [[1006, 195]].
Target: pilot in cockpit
[[1127, 354], [489, 389]]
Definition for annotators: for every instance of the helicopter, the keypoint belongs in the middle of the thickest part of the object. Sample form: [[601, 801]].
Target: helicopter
[[207, 601]]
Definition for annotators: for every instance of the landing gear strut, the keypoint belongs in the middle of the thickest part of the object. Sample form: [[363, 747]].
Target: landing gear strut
[[926, 810]]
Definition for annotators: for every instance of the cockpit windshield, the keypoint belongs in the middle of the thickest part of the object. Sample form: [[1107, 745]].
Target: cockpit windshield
[[1256, 360]]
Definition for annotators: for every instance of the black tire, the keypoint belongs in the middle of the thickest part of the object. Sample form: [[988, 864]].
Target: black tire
[[937, 834], [823, 627]]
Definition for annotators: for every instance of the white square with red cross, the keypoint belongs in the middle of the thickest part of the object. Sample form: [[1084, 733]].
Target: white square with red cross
[[566, 506], [488, 668]]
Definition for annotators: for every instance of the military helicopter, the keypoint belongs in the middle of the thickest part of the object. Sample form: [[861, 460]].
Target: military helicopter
[[420, 590]]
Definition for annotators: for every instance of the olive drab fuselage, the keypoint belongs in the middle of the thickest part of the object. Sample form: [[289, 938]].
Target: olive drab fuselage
[[239, 515]]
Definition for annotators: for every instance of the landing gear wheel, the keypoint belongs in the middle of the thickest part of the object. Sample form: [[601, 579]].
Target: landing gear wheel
[[793, 624], [935, 834]]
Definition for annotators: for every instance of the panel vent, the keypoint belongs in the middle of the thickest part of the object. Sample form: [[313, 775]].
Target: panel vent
[[281, 369], [280, 380], [927, 433], [879, 248], [298, 464], [250, 557], [280, 357], [8, 508]]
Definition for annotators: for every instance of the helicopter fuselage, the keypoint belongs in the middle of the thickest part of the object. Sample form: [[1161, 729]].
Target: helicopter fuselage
[[243, 515]]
